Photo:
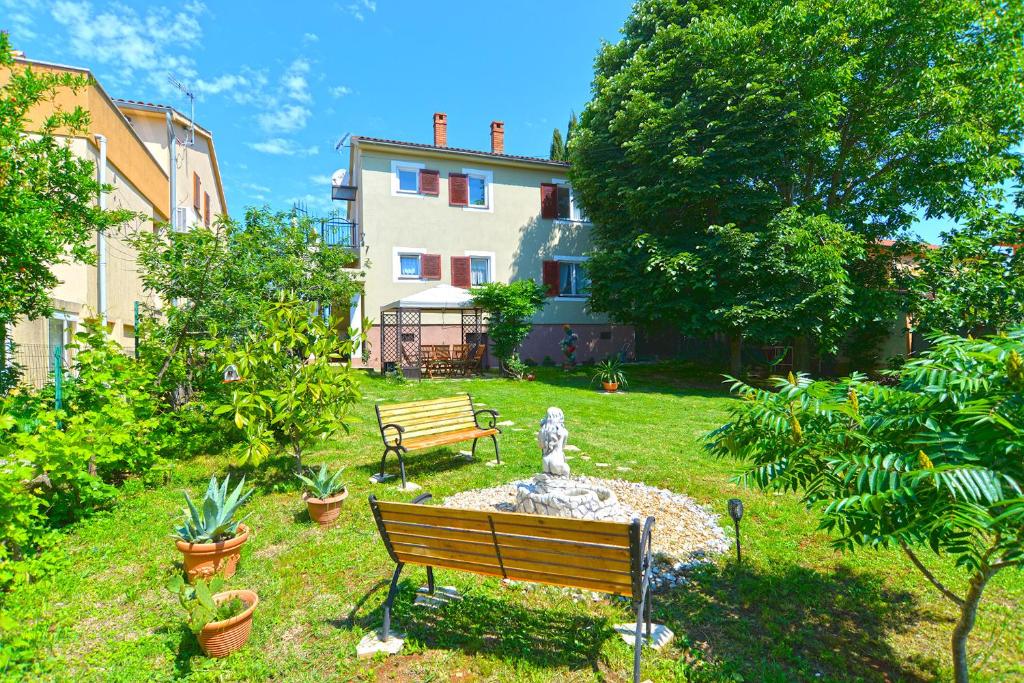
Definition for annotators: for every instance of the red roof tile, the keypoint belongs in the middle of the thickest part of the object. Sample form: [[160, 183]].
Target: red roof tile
[[461, 150]]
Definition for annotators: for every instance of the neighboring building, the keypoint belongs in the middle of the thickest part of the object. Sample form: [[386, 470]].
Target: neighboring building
[[429, 214], [128, 143]]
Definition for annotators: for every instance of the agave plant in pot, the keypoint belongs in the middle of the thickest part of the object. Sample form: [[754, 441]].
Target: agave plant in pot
[[610, 374], [211, 539], [324, 493], [221, 621]]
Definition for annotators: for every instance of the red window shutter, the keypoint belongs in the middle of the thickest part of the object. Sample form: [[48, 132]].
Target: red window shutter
[[548, 200], [430, 266], [430, 182], [460, 272], [196, 191], [458, 189], [550, 277], [206, 209]]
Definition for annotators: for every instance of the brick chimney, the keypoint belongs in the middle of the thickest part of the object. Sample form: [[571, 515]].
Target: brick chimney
[[440, 129], [497, 137]]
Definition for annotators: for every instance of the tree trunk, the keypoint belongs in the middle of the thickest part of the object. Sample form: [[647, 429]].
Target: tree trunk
[[297, 450], [735, 354], [801, 354], [968, 613]]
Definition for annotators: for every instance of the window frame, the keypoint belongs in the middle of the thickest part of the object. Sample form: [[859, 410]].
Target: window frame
[[575, 213], [396, 185], [396, 263], [488, 178], [575, 262], [489, 256]]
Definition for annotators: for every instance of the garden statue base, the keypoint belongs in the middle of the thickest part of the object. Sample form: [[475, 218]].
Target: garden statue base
[[661, 635], [442, 596], [566, 497], [372, 645]]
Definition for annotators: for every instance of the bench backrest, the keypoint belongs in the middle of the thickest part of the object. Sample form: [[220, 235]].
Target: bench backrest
[[599, 556], [436, 416]]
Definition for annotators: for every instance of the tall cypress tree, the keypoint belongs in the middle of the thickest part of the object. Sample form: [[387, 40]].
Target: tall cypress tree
[[557, 152]]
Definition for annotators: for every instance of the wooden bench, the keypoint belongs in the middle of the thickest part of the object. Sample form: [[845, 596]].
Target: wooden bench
[[610, 557], [418, 425]]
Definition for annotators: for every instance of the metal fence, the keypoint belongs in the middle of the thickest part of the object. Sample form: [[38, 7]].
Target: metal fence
[[34, 363]]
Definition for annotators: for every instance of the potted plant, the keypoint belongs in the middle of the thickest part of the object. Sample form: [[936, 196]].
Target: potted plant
[[610, 374], [324, 495], [210, 539], [221, 621]]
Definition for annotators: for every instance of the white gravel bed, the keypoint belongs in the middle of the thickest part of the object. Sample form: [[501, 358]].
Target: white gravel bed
[[685, 533]]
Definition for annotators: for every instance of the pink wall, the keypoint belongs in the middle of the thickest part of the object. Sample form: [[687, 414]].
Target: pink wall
[[542, 341]]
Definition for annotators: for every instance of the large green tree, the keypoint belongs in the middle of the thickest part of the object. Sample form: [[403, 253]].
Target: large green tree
[[48, 209], [841, 121]]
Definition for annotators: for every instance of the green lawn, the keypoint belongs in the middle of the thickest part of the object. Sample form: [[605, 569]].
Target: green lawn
[[796, 610]]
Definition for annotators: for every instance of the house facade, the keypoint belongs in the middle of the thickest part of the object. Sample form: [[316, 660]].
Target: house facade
[[429, 215], [134, 147]]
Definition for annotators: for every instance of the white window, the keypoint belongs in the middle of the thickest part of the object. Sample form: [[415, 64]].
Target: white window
[[572, 279], [480, 191], [59, 334], [409, 266], [405, 178], [568, 209], [479, 270]]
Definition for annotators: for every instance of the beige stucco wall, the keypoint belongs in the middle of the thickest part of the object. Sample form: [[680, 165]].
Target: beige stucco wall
[[513, 230], [198, 158], [76, 295]]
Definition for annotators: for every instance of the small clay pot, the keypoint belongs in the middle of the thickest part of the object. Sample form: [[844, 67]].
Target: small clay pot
[[324, 511], [204, 560], [610, 387], [530, 377], [221, 638]]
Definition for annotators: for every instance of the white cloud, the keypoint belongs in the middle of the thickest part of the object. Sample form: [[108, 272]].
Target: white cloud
[[310, 38], [294, 82], [19, 20], [340, 91], [320, 179], [358, 10], [287, 118], [283, 147], [255, 187], [320, 203], [124, 45]]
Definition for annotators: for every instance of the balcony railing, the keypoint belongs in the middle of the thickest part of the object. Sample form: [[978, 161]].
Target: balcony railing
[[338, 232]]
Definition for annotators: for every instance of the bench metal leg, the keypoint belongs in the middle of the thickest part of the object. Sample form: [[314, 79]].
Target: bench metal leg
[[401, 463], [472, 451], [638, 637], [647, 614], [430, 580], [392, 592], [497, 453]]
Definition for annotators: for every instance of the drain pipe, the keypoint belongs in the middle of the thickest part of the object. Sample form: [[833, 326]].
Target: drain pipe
[[101, 240], [172, 172]]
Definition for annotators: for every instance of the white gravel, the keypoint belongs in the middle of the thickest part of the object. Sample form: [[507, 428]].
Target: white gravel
[[685, 534]]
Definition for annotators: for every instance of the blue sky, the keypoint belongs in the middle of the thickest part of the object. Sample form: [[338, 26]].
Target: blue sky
[[279, 83]]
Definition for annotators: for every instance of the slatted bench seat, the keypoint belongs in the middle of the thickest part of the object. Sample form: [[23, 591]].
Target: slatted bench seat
[[608, 557], [418, 425]]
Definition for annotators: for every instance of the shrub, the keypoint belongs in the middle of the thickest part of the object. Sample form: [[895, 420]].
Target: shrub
[[934, 462], [509, 308]]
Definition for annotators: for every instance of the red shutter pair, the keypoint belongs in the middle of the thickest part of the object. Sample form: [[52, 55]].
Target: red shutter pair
[[458, 189], [196, 191], [430, 266], [461, 272], [206, 209], [430, 182], [550, 278]]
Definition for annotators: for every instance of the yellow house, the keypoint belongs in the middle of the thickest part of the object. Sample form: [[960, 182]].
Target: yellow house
[[130, 144]]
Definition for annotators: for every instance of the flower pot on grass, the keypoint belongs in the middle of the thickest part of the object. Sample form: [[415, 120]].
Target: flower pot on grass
[[324, 511], [203, 560], [221, 638], [610, 387], [324, 494]]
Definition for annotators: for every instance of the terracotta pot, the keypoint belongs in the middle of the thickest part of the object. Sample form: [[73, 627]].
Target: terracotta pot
[[324, 511], [531, 377], [203, 560], [221, 638], [610, 387]]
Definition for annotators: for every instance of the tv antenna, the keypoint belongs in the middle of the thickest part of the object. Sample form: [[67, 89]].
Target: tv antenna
[[341, 142], [191, 139]]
